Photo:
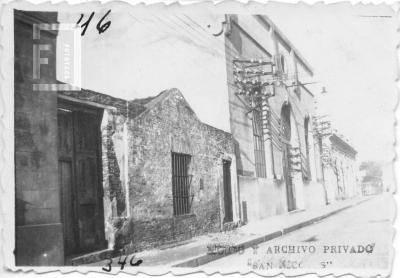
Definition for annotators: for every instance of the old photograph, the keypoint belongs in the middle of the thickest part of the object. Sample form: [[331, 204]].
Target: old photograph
[[231, 138]]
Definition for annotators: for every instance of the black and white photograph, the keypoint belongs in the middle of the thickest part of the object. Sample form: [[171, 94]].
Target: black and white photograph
[[228, 138]]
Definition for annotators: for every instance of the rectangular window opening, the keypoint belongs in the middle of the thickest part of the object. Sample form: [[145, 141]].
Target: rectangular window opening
[[259, 151], [181, 183]]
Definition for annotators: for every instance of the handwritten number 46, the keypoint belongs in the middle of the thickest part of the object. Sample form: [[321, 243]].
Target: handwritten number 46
[[101, 27], [107, 268]]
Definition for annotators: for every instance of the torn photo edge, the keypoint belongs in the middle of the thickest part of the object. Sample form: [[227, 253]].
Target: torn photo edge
[[8, 123]]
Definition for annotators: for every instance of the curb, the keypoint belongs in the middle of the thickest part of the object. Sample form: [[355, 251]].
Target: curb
[[93, 257], [206, 258]]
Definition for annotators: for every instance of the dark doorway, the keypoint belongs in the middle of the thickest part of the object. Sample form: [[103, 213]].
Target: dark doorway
[[80, 178], [227, 191], [287, 173]]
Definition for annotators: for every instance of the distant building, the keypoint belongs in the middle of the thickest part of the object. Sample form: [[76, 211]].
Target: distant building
[[388, 179], [340, 168], [375, 178], [371, 188]]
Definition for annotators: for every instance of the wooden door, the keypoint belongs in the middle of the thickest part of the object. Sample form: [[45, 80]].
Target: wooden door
[[88, 180], [66, 180], [227, 191], [80, 178]]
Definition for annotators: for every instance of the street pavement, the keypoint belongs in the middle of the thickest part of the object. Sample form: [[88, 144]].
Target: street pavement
[[357, 238]]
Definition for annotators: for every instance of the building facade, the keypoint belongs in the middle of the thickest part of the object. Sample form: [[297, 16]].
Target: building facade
[[340, 168], [271, 120], [100, 173]]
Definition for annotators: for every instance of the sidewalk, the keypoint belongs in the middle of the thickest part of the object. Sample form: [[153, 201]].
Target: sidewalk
[[193, 253]]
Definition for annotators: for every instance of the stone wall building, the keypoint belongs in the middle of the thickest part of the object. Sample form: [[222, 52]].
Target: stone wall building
[[95, 172], [181, 173]]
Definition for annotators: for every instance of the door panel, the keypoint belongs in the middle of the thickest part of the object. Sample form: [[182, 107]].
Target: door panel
[[66, 180], [89, 201]]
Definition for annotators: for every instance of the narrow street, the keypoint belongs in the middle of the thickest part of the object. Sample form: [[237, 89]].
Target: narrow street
[[359, 237]]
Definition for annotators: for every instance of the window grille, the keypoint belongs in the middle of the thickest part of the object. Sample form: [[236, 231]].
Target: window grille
[[259, 152], [181, 183]]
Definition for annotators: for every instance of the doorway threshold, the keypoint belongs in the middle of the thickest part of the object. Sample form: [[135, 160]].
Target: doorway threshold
[[296, 211]]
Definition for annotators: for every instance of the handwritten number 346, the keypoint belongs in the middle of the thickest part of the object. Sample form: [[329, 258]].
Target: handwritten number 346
[[121, 262], [101, 27]]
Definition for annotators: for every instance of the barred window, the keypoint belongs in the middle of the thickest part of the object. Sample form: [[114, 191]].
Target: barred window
[[180, 183], [259, 152]]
